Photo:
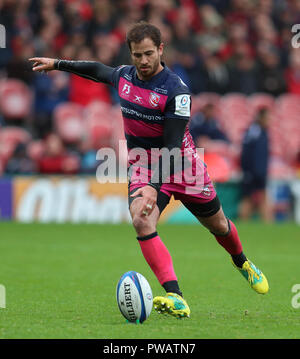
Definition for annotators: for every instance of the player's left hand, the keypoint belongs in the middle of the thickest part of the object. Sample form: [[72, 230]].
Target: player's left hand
[[149, 195]]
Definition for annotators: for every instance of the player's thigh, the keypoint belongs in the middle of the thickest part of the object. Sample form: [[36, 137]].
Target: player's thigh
[[162, 199], [143, 224]]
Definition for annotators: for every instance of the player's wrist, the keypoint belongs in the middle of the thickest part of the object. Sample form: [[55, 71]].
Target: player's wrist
[[56, 64]]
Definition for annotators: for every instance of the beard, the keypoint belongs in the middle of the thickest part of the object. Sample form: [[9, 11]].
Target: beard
[[150, 71]]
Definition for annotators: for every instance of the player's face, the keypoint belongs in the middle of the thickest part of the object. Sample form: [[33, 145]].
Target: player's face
[[146, 58]]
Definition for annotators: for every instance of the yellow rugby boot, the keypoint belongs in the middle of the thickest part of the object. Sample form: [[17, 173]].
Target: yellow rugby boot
[[254, 276], [172, 304]]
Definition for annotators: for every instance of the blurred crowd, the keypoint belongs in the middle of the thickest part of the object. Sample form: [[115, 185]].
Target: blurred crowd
[[218, 46]]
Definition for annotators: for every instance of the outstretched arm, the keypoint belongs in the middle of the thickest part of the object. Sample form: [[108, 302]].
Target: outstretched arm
[[92, 70]]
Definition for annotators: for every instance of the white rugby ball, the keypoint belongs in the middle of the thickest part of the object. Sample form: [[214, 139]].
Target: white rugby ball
[[134, 297]]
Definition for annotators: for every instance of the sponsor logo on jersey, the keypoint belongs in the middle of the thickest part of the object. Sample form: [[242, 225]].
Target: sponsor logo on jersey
[[160, 90], [184, 100], [206, 191], [154, 99], [126, 89], [128, 77], [140, 115], [137, 99]]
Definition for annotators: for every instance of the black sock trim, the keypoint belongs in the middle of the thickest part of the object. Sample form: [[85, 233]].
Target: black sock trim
[[172, 287], [239, 259], [149, 236]]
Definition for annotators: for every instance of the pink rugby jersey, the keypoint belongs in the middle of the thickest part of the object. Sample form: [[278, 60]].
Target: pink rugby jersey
[[145, 105]]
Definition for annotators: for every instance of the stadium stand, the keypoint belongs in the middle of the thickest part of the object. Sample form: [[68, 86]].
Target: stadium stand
[[15, 99], [212, 45], [68, 122]]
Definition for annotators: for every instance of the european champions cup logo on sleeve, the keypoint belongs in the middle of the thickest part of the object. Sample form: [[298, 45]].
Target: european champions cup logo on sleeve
[[2, 37], [2, 296]]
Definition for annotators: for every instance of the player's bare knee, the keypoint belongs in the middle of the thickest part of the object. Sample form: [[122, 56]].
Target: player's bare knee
[[141, 224], [137, 222], [224, 226], [221, 226]]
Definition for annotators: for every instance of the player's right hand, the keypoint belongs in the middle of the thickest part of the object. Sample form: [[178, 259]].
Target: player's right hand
[[42, 64], [149, 195]]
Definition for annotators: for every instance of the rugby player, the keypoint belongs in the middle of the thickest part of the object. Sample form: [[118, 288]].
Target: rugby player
[[155, 105]]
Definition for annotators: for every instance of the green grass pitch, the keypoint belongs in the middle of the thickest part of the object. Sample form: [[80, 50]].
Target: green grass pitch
[[60, 282]]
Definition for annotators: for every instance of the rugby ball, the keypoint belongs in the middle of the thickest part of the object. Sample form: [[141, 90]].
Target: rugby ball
[[134, 297]]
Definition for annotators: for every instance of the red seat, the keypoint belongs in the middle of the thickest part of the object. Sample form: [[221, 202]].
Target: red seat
[[99, 124], [218, 167], [118, 135], [258, 100], [204, 98], [117, 123], [10, 136], [97, 108], [234, 109], [15, 99], [14, 135], [234, 115], [69, 122], [99, 133], [287, 101], [288, 109], [35, 149]]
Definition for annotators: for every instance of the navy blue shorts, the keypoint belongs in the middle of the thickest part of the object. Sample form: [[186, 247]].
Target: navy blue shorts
[[197, 209], [253, 184]]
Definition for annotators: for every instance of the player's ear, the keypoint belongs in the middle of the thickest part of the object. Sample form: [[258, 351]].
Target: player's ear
[[161, 49]]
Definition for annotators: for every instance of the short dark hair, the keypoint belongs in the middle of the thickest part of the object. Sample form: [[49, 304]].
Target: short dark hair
[[141, 30], [262, 111]]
